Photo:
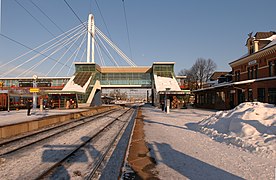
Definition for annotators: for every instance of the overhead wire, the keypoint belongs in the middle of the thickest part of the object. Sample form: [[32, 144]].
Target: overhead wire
[[64, 54], [71, 55], [38, 53], [86, 27], [76, 54], [122, 54], [40, 62], [73, 12], [129, 61], [38, 46], [125, 15], [26, 46], [46, 15], [100, 54], [34, 18], [103, 19], [110, 55]]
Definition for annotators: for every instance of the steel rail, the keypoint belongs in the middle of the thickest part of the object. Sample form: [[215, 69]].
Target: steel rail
[[51, 169], [107, 150], [33, 135]]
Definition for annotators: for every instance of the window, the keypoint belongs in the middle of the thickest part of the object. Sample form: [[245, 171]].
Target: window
[[274, 67], [256, 72], [252, 72], [272, 95], [213, 98], [222, 95], [261, 94], [237, 75], [270, 67], [250, 95]]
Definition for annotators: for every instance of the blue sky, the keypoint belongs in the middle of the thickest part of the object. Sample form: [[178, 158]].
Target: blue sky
[[159, 30]]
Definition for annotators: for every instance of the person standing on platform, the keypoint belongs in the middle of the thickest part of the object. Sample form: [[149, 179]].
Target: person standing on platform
[[29, 107]]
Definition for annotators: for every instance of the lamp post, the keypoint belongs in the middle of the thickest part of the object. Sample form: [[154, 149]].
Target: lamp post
[[167, 102], [34, 93]]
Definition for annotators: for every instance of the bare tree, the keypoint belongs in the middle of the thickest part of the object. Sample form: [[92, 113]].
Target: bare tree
[[199, 73], [209, 69], [183, 72]]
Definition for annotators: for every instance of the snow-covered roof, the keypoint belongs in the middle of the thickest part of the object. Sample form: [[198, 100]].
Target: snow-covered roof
[[161, 83], [271, 38], [236, 83]]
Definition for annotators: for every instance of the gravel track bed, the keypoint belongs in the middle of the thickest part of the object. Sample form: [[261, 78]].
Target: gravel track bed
[[80, 164], [41, 156], [43, 134]]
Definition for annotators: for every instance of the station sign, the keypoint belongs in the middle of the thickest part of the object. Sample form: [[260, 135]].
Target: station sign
[[34, 90], [4, 91], [252, 62]]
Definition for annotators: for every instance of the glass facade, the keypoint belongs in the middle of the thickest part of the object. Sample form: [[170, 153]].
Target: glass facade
[[125, 79], [85, 67], [163, 70], [128, 93]]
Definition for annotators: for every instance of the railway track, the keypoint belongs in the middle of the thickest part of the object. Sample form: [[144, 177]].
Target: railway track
[[79, 159], [18, 143]]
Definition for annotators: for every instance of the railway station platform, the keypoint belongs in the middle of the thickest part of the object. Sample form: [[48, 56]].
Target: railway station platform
[[17, 122], [20, 116]]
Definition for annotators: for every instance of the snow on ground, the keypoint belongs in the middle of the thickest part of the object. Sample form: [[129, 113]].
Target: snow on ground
[[181, 151], [251, 125]]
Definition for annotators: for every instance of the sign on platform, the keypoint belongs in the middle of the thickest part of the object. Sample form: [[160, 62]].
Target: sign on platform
[[34, 90], [4, 91]]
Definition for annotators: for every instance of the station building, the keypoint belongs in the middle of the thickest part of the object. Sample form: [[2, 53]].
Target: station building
[[253, 77], [90, 82]]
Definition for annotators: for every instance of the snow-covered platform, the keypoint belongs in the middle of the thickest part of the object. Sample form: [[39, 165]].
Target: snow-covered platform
[[181, 150], [15, 117]]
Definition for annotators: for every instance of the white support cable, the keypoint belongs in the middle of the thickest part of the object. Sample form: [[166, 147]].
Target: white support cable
[[63, 55], [83, 53], [129, 61], [116, 49], [83, 39], [112, 58], [37, 55], [40, 46], [40, 62], [100, 54], [63, 45], [56, 45], [74, 54], [77, 54]]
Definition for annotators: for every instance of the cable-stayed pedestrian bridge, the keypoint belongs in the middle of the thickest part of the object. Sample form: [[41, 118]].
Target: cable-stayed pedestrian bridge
[[64, 56]]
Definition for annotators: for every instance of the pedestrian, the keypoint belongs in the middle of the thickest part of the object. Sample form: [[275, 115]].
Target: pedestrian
[[162, 105], [29, 107]]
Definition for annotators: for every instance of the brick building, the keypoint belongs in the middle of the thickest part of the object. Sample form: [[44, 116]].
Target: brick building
[[253, 76]]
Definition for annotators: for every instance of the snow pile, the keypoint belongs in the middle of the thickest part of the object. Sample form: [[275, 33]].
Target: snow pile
[[251, 125]]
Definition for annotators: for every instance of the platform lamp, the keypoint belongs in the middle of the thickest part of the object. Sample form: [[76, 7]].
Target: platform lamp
[[35, 78], [167, 104]]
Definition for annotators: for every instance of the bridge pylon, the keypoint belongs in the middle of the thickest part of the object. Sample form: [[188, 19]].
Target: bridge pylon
[[91, 39]]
